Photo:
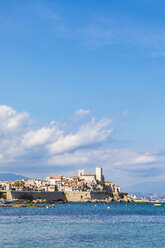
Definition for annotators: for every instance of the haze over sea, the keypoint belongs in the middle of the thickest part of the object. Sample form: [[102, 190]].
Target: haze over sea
[[84, 225]]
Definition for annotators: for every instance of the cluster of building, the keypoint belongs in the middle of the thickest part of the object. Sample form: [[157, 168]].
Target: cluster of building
[[82, 182]]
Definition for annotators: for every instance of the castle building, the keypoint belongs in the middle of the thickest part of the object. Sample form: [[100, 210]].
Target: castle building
[[94, 178], [99, 175]]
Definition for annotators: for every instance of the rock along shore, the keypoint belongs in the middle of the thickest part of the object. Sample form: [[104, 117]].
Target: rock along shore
[[22, 206], [32, 205]]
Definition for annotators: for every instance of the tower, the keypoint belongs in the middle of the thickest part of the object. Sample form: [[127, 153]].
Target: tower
[[99, 176], [80, 172]]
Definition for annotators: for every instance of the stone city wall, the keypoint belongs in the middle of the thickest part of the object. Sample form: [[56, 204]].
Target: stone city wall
[[29, 195], [99, 195], [77, 196]]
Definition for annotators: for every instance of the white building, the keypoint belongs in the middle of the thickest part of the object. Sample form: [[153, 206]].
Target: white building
[[54, 180]]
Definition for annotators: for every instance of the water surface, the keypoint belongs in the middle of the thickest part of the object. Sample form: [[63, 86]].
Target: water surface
[[84, 225]]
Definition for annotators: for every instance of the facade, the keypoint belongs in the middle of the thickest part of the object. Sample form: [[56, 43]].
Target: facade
[[38, 182], [109, 185], [77, 187], [93, 178], [88, 178], [116, 188]]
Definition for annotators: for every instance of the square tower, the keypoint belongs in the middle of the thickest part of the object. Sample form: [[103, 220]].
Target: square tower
[[80, 172], [99, 176]]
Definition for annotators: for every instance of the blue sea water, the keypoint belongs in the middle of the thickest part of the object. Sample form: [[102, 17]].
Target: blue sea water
[[84, 225]]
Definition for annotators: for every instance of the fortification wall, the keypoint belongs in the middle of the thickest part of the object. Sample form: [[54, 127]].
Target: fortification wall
[[99, 195], [78, 196], [29, 195], [86, 196]]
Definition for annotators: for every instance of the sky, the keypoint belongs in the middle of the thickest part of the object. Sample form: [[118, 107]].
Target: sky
[[82, 84]]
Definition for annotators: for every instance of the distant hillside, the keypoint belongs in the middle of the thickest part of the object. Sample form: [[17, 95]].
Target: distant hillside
[[11, 177]]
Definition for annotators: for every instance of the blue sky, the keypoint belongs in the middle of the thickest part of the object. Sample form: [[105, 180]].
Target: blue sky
[[83, 66]]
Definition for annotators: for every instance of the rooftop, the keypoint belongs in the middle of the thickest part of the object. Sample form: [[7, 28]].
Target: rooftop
[[89, 175], [77, 185]]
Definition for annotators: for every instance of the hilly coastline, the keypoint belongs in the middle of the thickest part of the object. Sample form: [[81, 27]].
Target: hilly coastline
[[11, 177]]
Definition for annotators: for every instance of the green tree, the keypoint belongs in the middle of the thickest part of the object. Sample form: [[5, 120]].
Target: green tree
[[18, 183]]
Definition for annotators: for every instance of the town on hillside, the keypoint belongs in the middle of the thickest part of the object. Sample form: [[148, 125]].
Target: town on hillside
[[81, 182]]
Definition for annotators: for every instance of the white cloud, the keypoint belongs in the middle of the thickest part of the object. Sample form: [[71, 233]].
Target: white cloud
[[122, 158], [41, 136], [89, 133], [54, 147], [127, 158], [18, 138], [12, 121], [77, 158], [82, 112], [145, 158]]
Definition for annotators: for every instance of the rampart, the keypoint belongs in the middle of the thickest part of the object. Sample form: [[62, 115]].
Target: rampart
[[78, 196], [31, 195], [70, 196], [99, 195]]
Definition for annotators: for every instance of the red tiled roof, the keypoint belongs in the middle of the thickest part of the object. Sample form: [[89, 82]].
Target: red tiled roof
[[77, 185], [89, 175]]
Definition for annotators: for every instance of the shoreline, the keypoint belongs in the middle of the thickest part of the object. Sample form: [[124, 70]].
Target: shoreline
[[33, 205]]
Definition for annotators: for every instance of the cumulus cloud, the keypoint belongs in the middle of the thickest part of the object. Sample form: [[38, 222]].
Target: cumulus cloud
[[145, 158], [18, 137], [53, 147], [89, 133], [41, 136], [12, 121], [127, 158]]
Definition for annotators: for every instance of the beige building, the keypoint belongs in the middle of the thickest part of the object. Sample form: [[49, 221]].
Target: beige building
[[93, 178], [89, 178], [109, 185]]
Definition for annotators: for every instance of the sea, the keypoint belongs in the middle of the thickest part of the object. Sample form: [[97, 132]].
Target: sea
[[117, 225]]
